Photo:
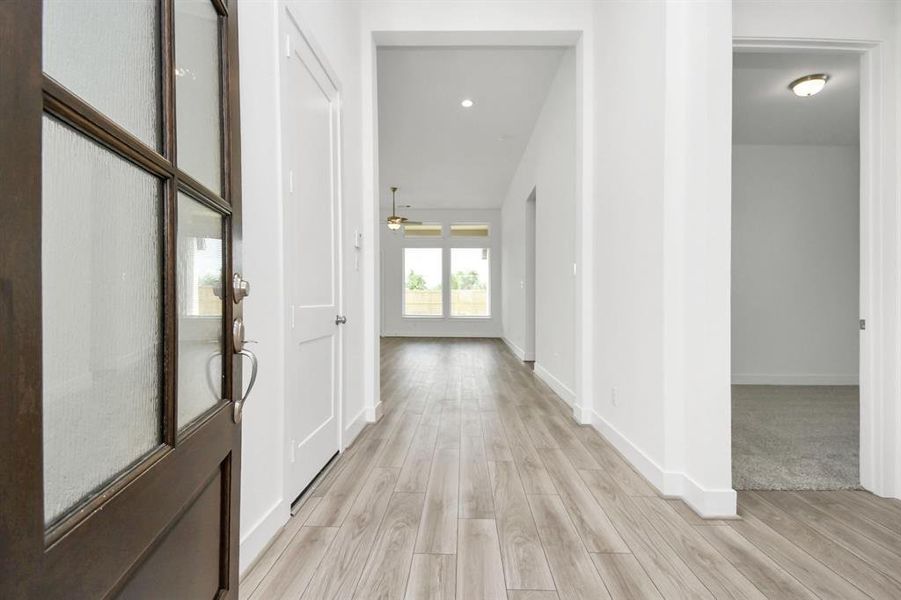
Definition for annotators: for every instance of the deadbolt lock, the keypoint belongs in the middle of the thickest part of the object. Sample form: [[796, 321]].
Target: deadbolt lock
[[240, 287]]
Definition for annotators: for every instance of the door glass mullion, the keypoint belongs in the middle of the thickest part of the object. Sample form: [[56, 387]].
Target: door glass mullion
[[170, 313], [198, 189]]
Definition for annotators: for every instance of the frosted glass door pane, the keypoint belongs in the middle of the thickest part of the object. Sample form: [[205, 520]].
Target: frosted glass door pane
[[108, 54], [197, 104], [100, 272], [200, 309]]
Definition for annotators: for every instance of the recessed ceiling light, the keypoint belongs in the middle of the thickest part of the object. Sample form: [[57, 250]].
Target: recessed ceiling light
[[808, 85], [467, 103]]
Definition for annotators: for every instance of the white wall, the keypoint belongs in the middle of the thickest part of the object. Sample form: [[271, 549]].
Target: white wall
[[392, 275], [548, 165], [662, 244], [628, 405], [629, 232], [333, 30], [795, 264]]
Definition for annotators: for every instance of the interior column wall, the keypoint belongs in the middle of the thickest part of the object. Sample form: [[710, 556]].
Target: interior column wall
[[628, 405], [662, 244]]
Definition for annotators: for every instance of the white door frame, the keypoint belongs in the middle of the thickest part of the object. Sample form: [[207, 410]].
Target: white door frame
[[317, 55], [876, 376], [576, 37]]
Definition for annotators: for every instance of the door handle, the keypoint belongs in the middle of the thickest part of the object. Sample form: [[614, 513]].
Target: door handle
[[254, 366], [340, 320]]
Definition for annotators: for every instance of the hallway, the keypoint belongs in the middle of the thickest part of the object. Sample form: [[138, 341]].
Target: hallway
[[476, 483]]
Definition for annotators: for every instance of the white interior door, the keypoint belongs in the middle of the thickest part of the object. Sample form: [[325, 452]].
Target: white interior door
[[312, 276]]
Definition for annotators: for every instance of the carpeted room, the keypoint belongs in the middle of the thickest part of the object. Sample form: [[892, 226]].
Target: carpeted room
[[795, 274]]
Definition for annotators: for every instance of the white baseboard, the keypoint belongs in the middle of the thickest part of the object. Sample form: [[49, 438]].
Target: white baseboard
[[438, 333], [516, 350], [583, 414], [261, 534], [354, 428], [374, 413], [794, 379], [708, 503], [555, 384]]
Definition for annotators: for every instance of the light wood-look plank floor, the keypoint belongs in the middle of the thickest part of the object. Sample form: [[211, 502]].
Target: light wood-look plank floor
[[476, 483]]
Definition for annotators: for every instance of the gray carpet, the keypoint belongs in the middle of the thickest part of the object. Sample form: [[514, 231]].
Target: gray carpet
[[795, 437]]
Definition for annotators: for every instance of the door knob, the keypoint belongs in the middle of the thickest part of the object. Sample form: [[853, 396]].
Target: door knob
[[240, 288], [340, 320]]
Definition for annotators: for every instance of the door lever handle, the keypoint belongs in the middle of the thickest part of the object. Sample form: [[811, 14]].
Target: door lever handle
[[254, 365], [340, 320]]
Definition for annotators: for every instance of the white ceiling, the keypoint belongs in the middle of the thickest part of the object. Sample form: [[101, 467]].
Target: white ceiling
[[440, 154], [765, 111]]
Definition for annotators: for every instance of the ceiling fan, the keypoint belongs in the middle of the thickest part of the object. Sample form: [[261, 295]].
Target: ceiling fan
[[395, 222]]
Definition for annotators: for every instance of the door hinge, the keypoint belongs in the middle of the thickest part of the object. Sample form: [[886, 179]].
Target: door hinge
[[863, 324]]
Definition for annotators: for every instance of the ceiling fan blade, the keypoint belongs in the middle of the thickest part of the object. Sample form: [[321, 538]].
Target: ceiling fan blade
[[412, 222]]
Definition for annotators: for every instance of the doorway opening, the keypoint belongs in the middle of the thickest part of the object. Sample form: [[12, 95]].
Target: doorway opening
[[796, 271], [466, 134]]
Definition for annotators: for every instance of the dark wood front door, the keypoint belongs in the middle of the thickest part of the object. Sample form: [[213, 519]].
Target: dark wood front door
[[119, 238]]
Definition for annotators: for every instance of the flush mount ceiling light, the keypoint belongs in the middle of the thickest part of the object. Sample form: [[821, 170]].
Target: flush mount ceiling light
[[466, 103], [395, 222], [808, 85]]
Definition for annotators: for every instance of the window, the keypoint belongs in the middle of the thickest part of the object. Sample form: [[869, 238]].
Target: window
[[425, 230], [469, 230], [470, 285], [423, 274]]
